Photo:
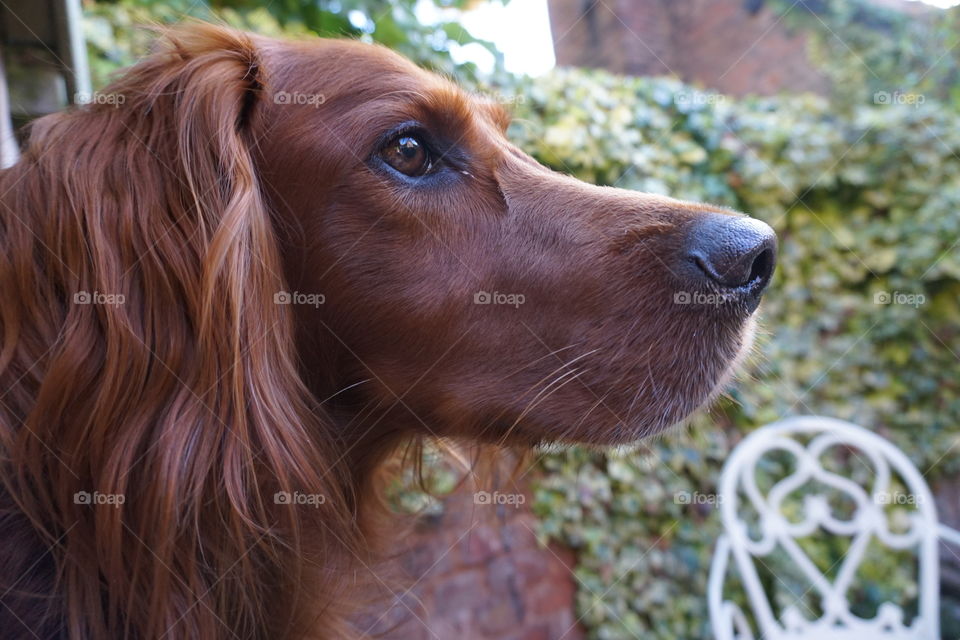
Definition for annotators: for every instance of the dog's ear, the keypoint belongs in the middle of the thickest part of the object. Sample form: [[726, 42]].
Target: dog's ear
[[152, 362], [195, 97]]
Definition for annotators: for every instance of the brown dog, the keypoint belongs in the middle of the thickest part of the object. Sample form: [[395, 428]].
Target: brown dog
[[252, 270]]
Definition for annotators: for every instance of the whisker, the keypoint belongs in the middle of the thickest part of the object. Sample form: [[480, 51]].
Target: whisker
[[537, 400], [548, 376], [347, 388]]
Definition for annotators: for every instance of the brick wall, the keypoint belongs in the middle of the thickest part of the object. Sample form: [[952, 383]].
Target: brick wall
[[718, 44], [478, 573]]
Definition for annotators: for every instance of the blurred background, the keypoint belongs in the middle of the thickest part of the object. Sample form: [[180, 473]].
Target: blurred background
[[835, 121]]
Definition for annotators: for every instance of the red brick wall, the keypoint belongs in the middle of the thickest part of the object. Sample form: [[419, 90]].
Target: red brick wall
[[714, 43], [478, 573]]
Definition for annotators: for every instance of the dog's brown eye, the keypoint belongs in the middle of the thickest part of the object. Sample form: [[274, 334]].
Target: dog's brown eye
[[408, 155]]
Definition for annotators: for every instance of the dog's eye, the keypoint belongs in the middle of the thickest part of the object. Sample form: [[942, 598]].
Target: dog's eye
[[408, 155]]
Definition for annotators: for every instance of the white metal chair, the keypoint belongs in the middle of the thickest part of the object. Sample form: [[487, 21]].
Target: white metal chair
[[807, 439]]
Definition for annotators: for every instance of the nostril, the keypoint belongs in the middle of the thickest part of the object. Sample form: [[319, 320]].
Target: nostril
[[762, 267]]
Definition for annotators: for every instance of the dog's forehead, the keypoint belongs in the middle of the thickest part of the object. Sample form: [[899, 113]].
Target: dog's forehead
[[371, 77], [362, 57], [343, 62]]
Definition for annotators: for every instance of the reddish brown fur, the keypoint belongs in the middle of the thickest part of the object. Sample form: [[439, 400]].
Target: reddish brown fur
[[198, 199]]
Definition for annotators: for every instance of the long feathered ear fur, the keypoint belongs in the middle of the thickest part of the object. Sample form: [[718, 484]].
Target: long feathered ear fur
[[152, 407]]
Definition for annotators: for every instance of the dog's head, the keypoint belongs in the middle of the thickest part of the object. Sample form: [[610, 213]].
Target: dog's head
[[477, 291], [246, 261]]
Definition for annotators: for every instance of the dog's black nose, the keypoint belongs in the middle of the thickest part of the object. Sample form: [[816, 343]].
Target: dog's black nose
[[734, 252]]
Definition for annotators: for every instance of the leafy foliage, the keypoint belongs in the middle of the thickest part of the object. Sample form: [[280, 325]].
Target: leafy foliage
[[872, 52], [116, 37], [863, 317], [865, 200]]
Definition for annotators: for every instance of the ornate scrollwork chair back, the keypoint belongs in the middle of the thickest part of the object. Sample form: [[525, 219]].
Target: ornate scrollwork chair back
[[813, 499]]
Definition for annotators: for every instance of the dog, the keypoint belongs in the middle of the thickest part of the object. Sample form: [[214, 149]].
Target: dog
[[249, 270]]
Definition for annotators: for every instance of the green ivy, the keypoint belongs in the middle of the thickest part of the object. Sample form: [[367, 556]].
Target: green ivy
[[865, 200], [116, 36], [873, 52], [863, 204]]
